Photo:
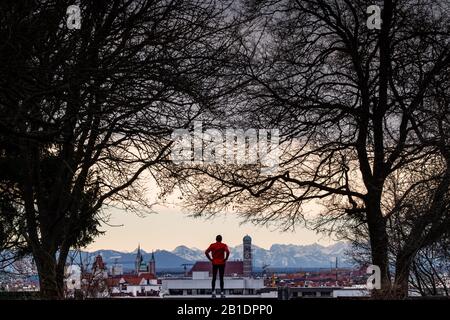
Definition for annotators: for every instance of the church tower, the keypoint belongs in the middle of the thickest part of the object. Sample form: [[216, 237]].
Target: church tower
[[152, 264], [139, 260], [247, 256]]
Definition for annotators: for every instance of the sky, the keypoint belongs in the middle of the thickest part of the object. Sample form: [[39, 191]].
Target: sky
[[171, 227]]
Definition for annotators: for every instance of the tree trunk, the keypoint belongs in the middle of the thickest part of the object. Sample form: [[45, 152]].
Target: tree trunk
[[379, 246], [51, 281], [402, 270]]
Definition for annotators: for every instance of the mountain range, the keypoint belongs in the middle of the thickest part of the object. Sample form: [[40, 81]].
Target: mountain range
[[277, 256]]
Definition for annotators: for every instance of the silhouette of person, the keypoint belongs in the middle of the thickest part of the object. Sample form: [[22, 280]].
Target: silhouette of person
[[219, 256]]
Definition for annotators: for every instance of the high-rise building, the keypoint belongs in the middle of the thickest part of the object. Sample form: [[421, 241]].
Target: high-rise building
[[247, 256]]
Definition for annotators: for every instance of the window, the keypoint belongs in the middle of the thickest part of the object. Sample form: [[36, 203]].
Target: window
[[176, 292], [236, 291], [309, 294]]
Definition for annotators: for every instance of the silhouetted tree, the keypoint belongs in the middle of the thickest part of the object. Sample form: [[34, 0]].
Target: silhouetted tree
[[85, 112], [355, 106], [430, 271]]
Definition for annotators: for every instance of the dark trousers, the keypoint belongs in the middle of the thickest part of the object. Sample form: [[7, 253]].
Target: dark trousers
[[221, 269]]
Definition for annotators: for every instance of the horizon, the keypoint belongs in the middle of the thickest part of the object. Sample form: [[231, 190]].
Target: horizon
[[195, 248], [170, 227]]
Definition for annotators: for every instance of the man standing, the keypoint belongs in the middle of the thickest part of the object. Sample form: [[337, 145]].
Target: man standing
[[220, 253]]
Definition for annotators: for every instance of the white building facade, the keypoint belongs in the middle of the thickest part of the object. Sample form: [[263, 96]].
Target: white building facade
[[144, 288], [200, 285]]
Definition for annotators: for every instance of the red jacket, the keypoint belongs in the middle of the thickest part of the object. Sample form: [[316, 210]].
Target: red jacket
[[218, 250]]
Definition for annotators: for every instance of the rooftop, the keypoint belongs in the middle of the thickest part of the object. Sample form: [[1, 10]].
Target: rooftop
[[231, 268]]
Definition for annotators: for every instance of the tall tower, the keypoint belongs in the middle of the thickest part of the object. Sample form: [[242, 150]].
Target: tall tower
[[152, 264], [139, 260], [247, 256]]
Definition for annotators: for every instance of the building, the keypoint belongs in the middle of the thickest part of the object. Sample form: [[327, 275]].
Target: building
[[239, 268], [72, 277], [140, 266], [199, 284], [99, 283], [247, 252], [289, 293], [152, 264], [232, 268], [355, 291], [94, 283], [238, 279], [116, 270], [144, 284]]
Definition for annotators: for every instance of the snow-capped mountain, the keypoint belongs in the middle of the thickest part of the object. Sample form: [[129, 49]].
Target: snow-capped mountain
[[282, 255], [277, 256], [191, 254], [164, 259]]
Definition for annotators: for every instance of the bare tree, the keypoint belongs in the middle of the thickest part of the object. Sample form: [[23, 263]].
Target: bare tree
[[430, 274], [355, 107], [417, 230], [84, 113]]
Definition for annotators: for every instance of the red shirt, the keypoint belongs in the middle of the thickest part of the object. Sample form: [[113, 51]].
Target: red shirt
[[218, 250]]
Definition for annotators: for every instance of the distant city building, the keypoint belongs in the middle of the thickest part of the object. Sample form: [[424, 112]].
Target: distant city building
[[238, 280], [152, 264], [72, 277], [288, 293], [144, 284], [200, 284], [116, 270], [241, 268], [141, 266], [232, 268], [94, 283], [247, 251], [99, 270], [99, 283]]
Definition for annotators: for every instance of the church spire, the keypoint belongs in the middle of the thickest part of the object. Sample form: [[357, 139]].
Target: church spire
[[139, 259], [152, 264]]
